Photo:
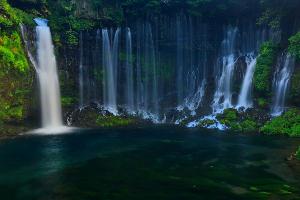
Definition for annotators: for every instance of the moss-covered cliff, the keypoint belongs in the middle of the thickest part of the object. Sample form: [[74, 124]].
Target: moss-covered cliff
[[15, 72], [70, 17]]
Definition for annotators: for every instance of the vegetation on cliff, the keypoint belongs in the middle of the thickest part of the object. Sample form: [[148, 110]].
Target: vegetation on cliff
[[67, 18], [238, 121], [15, 73], [294, 45], [287, 124], [263, 72]]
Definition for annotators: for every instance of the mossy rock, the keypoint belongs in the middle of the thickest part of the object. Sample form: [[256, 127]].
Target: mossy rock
[[206, 123], [114, 121], [92, 117], [242, 121]]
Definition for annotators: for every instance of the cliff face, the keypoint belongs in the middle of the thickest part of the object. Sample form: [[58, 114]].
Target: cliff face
[[15, 72], [176, 46]]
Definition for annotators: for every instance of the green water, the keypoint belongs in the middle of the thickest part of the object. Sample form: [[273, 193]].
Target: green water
[[153, 163]]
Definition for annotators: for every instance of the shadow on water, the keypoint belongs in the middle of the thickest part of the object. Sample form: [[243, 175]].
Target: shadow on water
[[147, 163]]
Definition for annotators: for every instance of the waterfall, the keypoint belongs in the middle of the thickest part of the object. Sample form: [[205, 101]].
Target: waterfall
[[194, 101], [110, 64], [245, 97], [223, 94], [251, 43], [81, 72], [146, 72], [281, 81], [48, 77], [180, 58], [167, 65], [129, 73], [139, 84]]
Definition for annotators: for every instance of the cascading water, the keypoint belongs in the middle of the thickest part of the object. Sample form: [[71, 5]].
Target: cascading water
[[110, 64], [146, 73], [245, 97], [129, 73], [193, 102], [48, 78], [251, 42], [281, 81], [163, 68], [81, 78], [180, 42], [223, 94]]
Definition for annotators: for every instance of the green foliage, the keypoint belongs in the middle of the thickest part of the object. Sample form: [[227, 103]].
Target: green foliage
[[8, 16], [262, 103], [277, 12], [263, 70], [294, 45], [248, 125], [12, 53], [228, 116], [287, 124], [271, 18], [12, 17], [113, 121], [71, 38], [203, 8], [67, 101], [234, 121], [14, 67]]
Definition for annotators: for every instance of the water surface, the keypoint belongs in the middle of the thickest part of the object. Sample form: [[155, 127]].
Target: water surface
[[147, 163]]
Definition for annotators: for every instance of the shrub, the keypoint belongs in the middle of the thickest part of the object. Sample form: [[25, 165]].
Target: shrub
[[287, 124], [8, 16], [12, 53], [67, 101], [263, 70], [294, 45], [236, 121], [248, 125], [71, 38]]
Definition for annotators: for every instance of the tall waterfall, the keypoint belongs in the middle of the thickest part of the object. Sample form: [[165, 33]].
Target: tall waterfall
[[129, 73], [223, 94], [110, 64], [146, 72], [81, 78], [180, 56], [48, 78], [281, 82], [245, 98], [251, 42]]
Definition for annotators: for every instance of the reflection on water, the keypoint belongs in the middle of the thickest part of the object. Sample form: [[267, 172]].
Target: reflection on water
[[154, 163], [52, 155]]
